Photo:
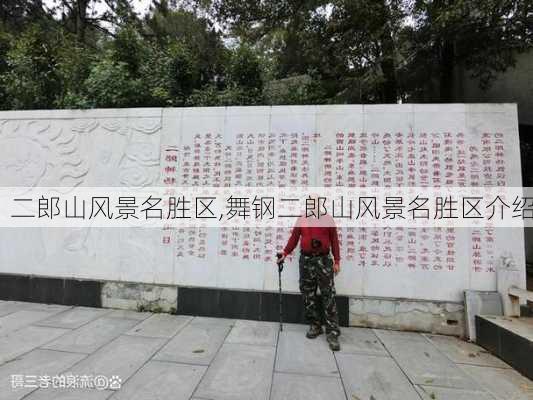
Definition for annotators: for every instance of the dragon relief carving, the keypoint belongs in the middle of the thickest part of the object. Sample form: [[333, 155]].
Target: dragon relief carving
[[50, 153], [139, 163], [40, 153]]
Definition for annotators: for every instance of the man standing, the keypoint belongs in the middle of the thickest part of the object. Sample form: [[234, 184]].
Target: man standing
[[318, 236]]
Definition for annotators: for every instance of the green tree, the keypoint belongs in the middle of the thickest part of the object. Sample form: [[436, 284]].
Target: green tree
[[5, 45], [349, 45], [244, 69], [74, 61], [295, 90], [96, 53], [110, 84], [193, 35], [129, 47], [242, 83], [280, 27], [88, 18], [156, 78], [362, 52], [16, 15], [32, 80], [482, 36]]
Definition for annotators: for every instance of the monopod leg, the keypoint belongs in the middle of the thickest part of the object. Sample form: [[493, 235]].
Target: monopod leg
[[280, 268]]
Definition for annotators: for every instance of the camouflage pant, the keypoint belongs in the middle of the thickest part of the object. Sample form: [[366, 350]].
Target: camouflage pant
[[317, 271]]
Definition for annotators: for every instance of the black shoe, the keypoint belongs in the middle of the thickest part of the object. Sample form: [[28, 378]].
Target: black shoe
[[314, 331], [333, 340]]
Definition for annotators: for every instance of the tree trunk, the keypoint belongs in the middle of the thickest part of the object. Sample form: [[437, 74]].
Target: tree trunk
[[447, 76], [446, 58], [389, 92], [81, 13], [388, 66]]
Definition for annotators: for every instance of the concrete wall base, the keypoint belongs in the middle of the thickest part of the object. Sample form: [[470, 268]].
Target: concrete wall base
[[400, 314], [140, 296], [408, 315]]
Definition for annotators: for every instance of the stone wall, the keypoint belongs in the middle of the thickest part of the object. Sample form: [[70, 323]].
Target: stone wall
[[307, 145]]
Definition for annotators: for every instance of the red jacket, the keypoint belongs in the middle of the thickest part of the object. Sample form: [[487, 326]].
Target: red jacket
[[322, 228]]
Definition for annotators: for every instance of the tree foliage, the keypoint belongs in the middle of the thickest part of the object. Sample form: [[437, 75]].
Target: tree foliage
[[482, 36], [31, 80], [100, 53]]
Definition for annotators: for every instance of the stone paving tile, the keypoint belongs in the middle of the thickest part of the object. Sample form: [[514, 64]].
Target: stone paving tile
[[298, 354], [422, 362], [121, 357], [218, 321], [304, 387], [69, 394], [374, 377], [13, 344], [19, 319], [73, 318], [8, 307], [297, 327], [162, 381], [254, 332], [442, 393], [197, 343], [129, 314], [398, 335], [238, 372], [228, 359], [503, 383], [46, 307], [462, 352], [160, 325], [35, 363], [361, 341], [93, 335]]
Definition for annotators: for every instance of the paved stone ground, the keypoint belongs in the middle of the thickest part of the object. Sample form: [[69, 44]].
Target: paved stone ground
[[161, 356]]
